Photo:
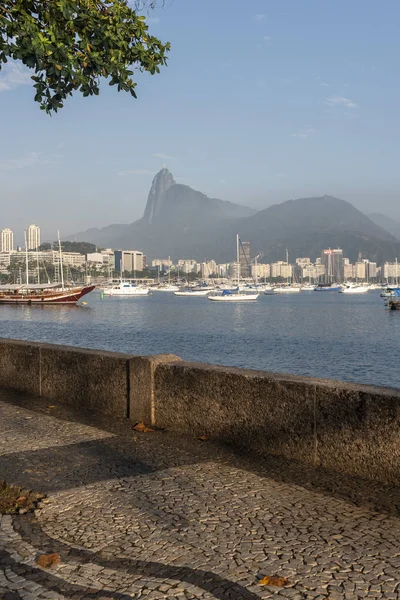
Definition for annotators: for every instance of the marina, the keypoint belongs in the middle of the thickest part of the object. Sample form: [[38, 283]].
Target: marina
[[336, 336]]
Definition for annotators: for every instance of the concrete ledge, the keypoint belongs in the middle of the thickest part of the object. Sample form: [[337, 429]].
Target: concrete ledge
[[346, 427], [141, 376], [93, 379], [20, 366], [350, 428]]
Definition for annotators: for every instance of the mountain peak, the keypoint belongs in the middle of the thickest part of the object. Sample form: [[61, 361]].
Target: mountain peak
[[162, 181]]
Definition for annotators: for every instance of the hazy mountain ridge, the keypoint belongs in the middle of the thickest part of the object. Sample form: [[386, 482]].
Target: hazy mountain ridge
[[391, 225], [185, 223]]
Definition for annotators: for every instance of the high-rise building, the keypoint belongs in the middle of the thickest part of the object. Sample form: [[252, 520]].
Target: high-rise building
[[6, 240], [244, 259], [32, 237], [129, 261], [333, 262]]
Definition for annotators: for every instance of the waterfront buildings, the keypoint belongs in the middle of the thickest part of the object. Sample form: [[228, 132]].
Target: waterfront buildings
[[32, 233], [281, 269], [129, 261], [334, 265], [6, 240]]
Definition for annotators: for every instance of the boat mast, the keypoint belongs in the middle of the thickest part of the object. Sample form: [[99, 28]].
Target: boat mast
[[237, 259], [61, 261], [287, 262], [169, 270], [397, 279], [255, 266], [26, 260], [37, 264]]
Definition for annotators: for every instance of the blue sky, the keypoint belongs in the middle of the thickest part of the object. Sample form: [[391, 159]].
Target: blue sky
[[262, 101]]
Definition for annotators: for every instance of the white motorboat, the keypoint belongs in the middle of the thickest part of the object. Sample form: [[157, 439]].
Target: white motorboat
[[308, 288], [126, 290], [354, 289], [287, 289]]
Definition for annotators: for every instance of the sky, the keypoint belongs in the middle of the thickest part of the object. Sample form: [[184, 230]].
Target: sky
[[262, 101]]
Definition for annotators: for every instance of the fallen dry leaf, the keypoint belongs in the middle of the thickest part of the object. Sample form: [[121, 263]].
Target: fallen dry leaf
[[51, 406], [142, 428], [48, 560], [21, 499], [276, 581], [203, 438]]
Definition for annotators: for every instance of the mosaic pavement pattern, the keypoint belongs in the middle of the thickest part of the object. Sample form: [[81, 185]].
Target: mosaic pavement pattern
[[158, 515]]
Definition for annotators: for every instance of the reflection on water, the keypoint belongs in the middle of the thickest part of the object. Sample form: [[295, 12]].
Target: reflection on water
[[326, 335]]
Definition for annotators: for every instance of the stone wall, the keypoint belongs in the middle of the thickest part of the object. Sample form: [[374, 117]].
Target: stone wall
[[346, 427]]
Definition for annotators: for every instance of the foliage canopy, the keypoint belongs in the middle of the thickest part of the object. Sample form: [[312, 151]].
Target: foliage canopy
[[72, 44]]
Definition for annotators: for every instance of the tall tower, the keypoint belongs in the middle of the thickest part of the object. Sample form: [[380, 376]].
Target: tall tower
[[33, 237], [6, 240], [244, 259]]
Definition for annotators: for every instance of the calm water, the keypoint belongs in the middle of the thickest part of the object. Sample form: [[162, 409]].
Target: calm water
[[321, 334]]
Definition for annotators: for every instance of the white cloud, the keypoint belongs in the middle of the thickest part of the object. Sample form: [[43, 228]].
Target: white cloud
[[340, 101], [259, 17], [135, 172], [267, 38], [12, 75], [164, 156], [324, 84], [303, 133], [33, 158]]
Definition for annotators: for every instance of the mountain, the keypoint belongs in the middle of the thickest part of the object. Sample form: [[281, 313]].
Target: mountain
[[391, 225], [175, 217], [184, 223]]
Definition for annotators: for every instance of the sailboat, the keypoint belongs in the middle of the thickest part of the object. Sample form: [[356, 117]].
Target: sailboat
[[168, 287], [42, 293], [288, 288], [236, 295]]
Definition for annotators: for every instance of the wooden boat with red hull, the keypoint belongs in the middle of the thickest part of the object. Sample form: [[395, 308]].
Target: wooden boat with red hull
[[42, 294]]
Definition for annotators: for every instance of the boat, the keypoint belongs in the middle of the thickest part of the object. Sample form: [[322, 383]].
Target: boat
[[393, 302], [387, 293], [126, 289], [354, 289], [327, 287], [42, 294], [286, 289], [236, 295], [167, 288], [308, 287], [192, 292]]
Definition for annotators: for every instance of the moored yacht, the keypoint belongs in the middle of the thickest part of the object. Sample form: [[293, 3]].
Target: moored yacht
[[126, 289]]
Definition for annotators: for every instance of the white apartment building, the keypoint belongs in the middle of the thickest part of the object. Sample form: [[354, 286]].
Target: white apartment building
[[73, 259], [391, 271], [6, 240], [32, 233], [261, 271], [162, 262], [281, 269], [208, 269], [187, 265], [105, 257], [129, 261]]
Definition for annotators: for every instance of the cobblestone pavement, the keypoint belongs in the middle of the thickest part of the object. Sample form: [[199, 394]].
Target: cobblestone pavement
[[158, 515]]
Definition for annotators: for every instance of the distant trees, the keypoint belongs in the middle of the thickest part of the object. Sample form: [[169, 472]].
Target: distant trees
[[71, 44]]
